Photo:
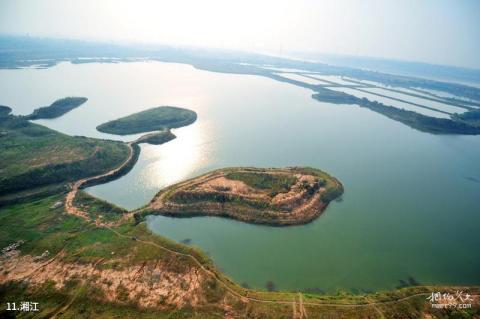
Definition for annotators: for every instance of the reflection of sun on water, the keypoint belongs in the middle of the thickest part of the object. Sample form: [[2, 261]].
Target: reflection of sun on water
[[174, 161]]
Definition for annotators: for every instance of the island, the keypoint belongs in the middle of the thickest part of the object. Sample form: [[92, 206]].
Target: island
[[57, 108], [154, 119], [273, 196]]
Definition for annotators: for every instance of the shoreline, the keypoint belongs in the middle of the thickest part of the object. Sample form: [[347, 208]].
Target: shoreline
[[310, 209]]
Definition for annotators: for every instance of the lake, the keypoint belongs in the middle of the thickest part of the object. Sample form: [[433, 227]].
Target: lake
[[411, 206]]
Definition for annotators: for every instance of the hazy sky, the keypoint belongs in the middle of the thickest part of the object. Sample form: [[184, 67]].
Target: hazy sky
[[435, 31]]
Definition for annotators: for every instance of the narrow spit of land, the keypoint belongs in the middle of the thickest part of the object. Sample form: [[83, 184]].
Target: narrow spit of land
[[159, 120], [57, 108], [70, 207], [465, 123]]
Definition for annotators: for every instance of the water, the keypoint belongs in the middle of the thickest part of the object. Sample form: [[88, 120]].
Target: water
[[433, 104], [390, 102], [332, 78], [411, 206], [301, 78]]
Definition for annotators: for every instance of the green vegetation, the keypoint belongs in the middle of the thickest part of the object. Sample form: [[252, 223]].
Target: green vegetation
[[40, 224], [33, 156], [45, 228], [469, 117], [156, 138], [43, 225], [276, 183], [4, 110], [466, 123], [253, 195], [57, 108], [97, 208], [159, 118], [331, 96], [423, 122]]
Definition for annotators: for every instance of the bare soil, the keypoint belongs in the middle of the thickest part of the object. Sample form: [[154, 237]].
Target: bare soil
[[215, 194], [150, 284]]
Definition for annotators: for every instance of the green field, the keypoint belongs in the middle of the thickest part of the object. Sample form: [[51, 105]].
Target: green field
[[73, 241], [97, 208], [154, 119], [276, 183], [34, 156]]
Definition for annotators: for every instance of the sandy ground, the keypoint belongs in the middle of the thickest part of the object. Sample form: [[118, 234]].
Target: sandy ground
[[150, 284], [295, 206]]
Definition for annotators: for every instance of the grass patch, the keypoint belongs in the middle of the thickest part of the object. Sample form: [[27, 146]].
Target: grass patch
[[276, 183], [97, 208], [39, 225], [57, 108], [33, 155]]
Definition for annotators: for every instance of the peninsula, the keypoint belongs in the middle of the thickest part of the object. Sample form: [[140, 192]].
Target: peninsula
[[277, 197], [35, 158], [57, 108]]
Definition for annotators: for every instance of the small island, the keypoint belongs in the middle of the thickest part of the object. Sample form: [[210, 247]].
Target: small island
[[273, 196], [156, 138], [57, 108], [155, 119]]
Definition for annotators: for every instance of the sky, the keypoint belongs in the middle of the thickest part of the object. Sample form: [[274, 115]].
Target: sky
[[432, 31]]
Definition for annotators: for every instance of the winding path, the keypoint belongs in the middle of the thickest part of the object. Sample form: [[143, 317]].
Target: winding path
[[71, 209]]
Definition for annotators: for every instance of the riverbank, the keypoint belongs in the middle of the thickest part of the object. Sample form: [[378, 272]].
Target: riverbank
[[83, 268]]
